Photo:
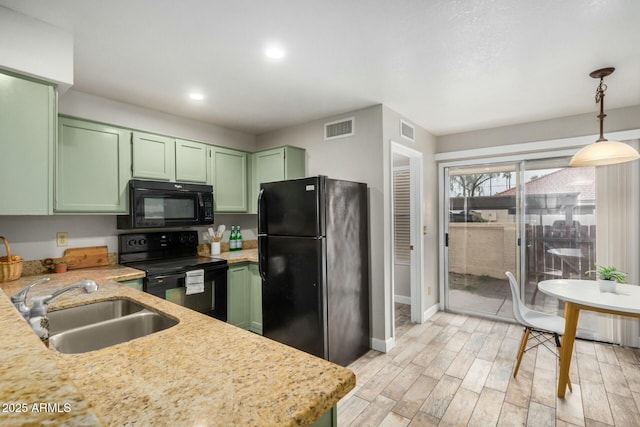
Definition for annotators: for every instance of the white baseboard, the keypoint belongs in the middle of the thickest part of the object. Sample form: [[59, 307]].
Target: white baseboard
[[383, 346], [401, 299], [430, 312]]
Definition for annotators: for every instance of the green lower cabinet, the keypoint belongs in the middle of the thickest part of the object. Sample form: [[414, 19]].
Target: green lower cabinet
[[238, 296], [245, 297], [255, 316], [133, 283], [329, 419]]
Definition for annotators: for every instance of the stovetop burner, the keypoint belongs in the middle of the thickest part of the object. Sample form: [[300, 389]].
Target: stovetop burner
[[176, 265], [163, 252]]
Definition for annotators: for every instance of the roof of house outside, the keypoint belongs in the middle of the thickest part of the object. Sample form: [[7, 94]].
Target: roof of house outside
[[567, 180]]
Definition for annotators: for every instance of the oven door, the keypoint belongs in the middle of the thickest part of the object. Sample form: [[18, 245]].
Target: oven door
[[212, 302]]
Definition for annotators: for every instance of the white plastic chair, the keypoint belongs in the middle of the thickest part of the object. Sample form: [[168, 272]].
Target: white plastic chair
[[536, 324]]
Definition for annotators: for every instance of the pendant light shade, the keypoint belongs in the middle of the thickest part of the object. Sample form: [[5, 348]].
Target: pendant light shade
[[603, 152]]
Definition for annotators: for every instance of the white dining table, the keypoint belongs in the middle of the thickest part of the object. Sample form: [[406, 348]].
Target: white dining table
[[585, 295]]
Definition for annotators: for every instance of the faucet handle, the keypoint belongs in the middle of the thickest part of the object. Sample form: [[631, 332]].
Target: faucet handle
[[19, 299], [21, 296]]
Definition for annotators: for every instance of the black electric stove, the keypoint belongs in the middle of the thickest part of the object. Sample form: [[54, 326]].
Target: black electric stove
[[166, 257]]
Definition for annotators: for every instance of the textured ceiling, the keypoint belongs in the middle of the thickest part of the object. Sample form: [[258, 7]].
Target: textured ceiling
[[447, 65]]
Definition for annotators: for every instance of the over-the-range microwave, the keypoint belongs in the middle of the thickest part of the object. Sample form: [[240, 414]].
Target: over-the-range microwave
[[154, 204]]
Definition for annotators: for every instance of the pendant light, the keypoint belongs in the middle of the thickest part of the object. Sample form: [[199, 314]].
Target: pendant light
[[603, 152]]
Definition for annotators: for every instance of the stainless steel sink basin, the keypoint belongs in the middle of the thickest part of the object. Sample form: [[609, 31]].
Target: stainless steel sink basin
[[75, 317], [99, 325]]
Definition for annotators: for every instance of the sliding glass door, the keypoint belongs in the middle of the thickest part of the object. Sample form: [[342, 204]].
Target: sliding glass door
[[533, 218], [482, 235]]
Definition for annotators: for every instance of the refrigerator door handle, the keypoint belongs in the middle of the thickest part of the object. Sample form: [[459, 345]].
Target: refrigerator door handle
[[262, 257], [261, 227]]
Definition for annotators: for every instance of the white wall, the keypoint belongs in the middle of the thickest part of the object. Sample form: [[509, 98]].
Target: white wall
[[365, 157], [426, 144], [37, 49], [564, 127], [355, 158]]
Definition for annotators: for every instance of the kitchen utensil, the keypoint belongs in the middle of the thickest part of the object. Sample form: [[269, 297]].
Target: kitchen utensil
[[221, 230], [92, 256], [10, 265], [212, 233]]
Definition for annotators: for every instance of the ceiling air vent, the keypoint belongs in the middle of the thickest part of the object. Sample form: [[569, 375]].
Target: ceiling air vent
[[407, 131], [339, 129]]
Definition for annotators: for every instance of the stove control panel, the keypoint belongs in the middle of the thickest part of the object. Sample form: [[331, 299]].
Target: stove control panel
[[168, 241]]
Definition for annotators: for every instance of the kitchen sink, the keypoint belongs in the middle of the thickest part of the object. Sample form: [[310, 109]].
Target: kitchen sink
[[96, 326], [75, 317]]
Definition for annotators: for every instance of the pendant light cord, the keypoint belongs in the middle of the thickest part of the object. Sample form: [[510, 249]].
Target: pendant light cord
[[600, 100]]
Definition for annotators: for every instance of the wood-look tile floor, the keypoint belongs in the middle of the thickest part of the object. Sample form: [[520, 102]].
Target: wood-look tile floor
[[457, 370]]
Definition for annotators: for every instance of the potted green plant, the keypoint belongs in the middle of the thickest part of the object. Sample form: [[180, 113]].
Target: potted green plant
[[60, 265], [608, 276]]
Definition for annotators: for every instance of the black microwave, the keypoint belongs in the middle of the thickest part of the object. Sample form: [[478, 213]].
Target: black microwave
[[155, 204]]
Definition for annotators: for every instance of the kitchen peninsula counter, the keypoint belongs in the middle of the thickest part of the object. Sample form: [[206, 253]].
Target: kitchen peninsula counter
[[199, 372]]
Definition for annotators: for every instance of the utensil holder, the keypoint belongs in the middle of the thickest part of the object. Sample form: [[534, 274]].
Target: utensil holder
[[215, 248]]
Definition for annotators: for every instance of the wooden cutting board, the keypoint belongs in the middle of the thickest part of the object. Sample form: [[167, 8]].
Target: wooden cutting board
[[91, 256]]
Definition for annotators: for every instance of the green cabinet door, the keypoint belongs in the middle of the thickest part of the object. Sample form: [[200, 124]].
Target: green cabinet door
[[276, 164], [238, 296], [93, 167], [255, 315], [228, 170], [153, 156], [191, 161], [132, 283], [27, 126]]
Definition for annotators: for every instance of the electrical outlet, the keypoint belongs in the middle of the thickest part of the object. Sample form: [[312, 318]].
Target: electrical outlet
[[62, 238]]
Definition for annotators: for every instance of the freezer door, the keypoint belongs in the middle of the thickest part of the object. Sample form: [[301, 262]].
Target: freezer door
[[292, 293], [291, 208]]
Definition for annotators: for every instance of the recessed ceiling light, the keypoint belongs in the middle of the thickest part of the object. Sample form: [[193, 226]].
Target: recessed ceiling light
[[196, 96], [274, 52]]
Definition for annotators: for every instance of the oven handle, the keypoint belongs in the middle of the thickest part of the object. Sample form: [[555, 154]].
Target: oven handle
[[262, 257]]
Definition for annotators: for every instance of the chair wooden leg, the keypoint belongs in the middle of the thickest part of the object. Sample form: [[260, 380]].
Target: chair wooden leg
[[523, 346]]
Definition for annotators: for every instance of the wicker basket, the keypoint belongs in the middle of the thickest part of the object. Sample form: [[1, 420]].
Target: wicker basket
[[10, 265]]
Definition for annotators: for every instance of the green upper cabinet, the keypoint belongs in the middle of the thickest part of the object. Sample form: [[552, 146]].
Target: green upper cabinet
[[191, 161], [228, 173], [93, 167], [153, 156], [27, 134], [276, 164]]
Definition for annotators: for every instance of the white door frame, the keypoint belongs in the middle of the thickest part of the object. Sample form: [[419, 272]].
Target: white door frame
[[416, 177]]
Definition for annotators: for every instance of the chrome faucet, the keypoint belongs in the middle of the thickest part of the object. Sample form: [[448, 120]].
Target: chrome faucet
[[19, 300], [37, 314]]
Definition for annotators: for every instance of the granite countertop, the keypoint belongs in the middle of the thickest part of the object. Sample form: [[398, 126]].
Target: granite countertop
[[200, 372], [245, 255]]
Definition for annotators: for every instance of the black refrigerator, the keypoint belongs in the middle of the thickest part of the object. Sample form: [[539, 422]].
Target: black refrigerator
[[314, 261]]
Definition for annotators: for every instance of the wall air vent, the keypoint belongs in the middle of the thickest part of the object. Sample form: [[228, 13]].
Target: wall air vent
[[339, 129], [407, 131]]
